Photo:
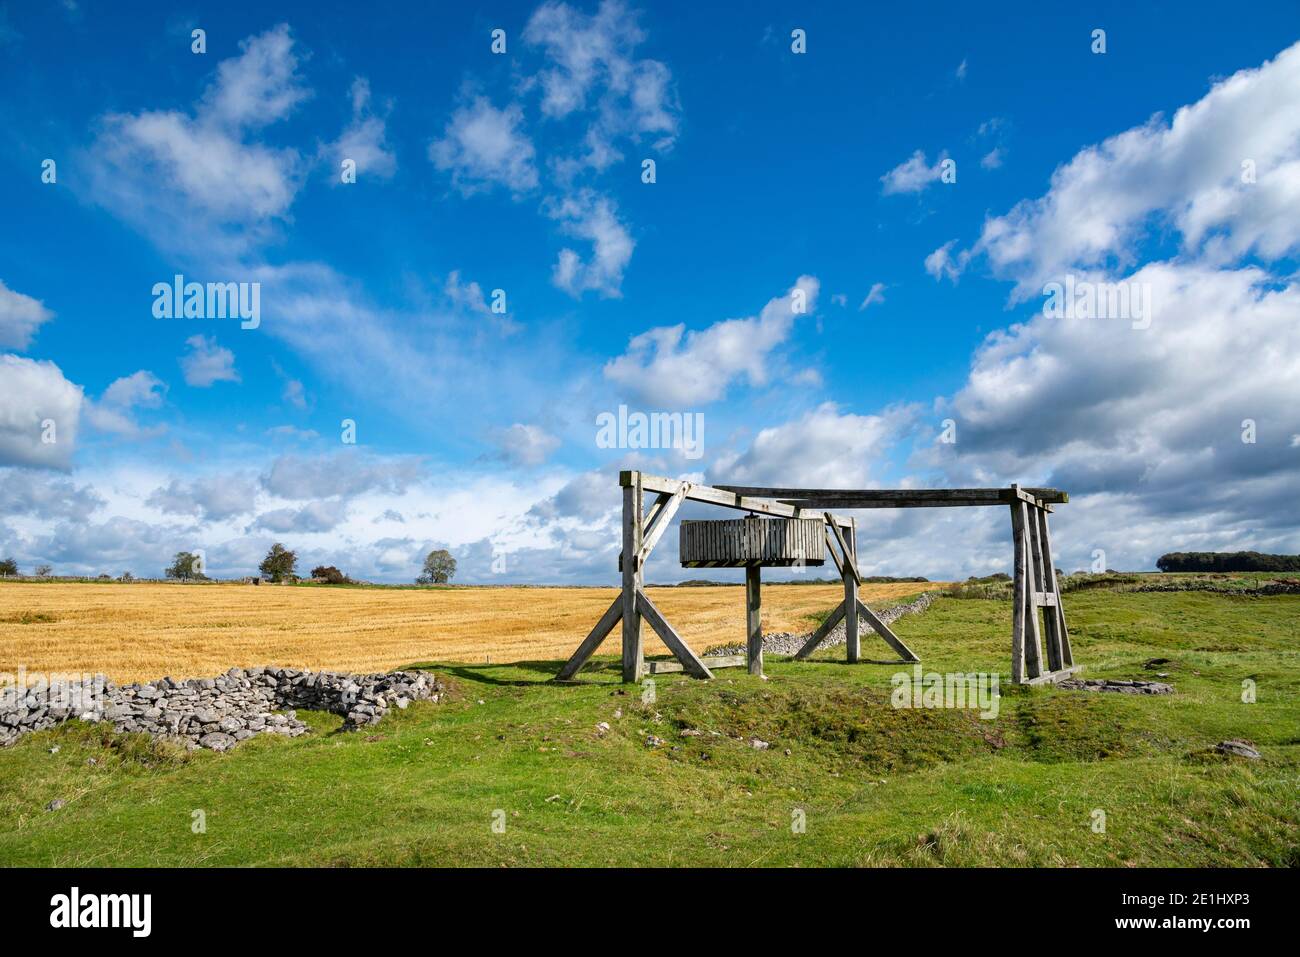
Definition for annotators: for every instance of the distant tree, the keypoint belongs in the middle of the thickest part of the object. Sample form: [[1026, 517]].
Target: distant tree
[[43, 571], [127, 577], [1227, 562], [279, 565], [330, 574], [8, 567], [439, 568], [186, 566]]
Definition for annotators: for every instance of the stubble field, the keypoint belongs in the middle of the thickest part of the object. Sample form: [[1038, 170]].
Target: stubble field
[[144, 630]]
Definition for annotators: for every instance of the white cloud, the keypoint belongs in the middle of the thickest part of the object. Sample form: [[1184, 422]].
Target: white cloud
[[483, 146], [526, 445], [992, 159], [913, 175], [961, 70], [364, 141], [211, 498], [673, 368], [320, 516], [1186, 173], [32, 394], [114, 410], [20, 317], [587, 215], [874, 295], [207, 363], [195, 180], [943, 264], [825, 448]]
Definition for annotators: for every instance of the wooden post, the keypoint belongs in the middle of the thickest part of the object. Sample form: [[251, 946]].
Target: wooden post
[[1017, 593], [851, 595], [633, 651], [754, 620], [1058, 610]]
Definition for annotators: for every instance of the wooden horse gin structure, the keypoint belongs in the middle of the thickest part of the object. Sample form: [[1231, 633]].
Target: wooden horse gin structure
[[793, 527]]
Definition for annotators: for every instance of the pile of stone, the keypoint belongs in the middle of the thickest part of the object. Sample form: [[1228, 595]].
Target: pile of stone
[[1135, 686], [219, 712]]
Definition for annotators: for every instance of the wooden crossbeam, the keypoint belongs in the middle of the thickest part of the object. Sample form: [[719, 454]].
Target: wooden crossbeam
[[613, 615], [713, 661], [690, 661], [657, 524], [849, 560], [717, 496], [899, 498]]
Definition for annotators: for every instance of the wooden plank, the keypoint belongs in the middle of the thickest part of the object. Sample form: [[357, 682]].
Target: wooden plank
[[1041, 565], [1017, 595], [1051, 677], [830, 547], [849, 562], [1063, 632], [690, 661], [713, 661], [662, 519], [753, 620], [1033, 644], [900, 498], [818, 636], [716, 496], [885, 632], [633, 651], [1045, 599], [613, 615]]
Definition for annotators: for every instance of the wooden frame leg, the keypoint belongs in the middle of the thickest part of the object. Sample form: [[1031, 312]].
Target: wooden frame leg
[[689, 659], [633, 648], [754, 620], [820, 634], [1057, 611], [613, 615], [852, 645]]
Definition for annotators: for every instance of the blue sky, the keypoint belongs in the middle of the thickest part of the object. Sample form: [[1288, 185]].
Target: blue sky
[[775, 170]]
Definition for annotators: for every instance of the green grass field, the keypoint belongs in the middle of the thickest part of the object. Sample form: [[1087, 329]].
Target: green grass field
[[875, 785]]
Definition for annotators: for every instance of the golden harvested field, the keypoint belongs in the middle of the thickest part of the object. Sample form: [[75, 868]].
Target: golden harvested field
[[142, 631]]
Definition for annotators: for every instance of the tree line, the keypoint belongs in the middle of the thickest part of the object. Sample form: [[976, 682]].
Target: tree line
[[1227, 562]]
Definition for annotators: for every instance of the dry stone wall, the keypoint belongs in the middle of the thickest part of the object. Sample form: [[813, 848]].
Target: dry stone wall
[[214, 713]]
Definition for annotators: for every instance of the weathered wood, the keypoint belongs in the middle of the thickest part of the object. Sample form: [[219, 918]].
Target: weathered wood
[[818, 636], [661, 520], [1038, 587], [739, 543], [849, 563], [633, 651], [1033, 641], [1018, 588], [716, 496], [713, 661], [852, 646], [690, 661], [885, 632], [1051, 677], [613, 615], [1045, 599], [1062, 632], [898, 498], [753, 620]]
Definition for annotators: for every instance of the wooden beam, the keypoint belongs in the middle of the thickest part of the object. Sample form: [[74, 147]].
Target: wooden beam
[[818, 636], [633, 651], [713, 661], [1063, 632], [716, 496], [1017, 595], [754, 620], [884, 631], [690, 661], [899, 498], [849, 561], [661, 520], [613, 615]]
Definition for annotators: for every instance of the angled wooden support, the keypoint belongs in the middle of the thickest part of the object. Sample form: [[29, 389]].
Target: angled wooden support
[[818, 636], [613, 615], [691, 662], [905, 653]]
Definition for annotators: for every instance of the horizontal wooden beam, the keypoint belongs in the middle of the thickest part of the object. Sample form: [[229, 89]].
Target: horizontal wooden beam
[[717, 496], [899, 498], [713, 661]]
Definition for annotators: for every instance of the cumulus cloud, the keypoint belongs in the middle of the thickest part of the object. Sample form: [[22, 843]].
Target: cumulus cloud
[[676, 369], [913, 175], [40, 412], [207, 363], [484, 147], [875, 295], [36, 493], [212, 498], [20, 317], [526, 445], [587, 215], [344, 473], [364, 141], [1224, 173], [166, 170], [318, 516], [115, 410]]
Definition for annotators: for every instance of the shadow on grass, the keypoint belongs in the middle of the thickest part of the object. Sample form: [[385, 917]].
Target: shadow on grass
[[534, 673]]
